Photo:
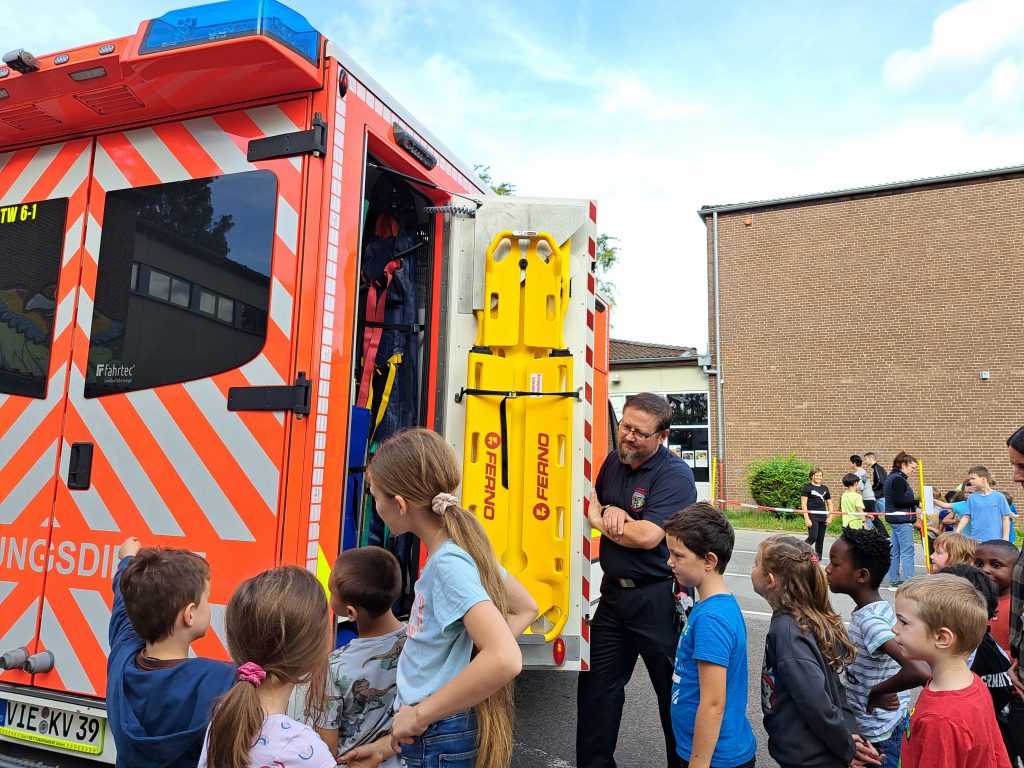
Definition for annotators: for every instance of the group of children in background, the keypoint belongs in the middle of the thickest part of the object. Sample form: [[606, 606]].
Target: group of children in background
[[436, 691], [837, 697]]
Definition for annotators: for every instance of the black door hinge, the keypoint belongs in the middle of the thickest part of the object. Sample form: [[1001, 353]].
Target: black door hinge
[[312, 141], [295, 398]]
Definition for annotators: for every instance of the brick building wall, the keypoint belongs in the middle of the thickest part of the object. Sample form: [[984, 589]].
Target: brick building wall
[[862, 322]]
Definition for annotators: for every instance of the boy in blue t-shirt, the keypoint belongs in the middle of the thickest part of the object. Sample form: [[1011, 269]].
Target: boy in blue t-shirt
[[987, 514], [709, 689]]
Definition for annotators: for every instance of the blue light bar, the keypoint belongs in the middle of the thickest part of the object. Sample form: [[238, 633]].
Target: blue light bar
[[233, 19]]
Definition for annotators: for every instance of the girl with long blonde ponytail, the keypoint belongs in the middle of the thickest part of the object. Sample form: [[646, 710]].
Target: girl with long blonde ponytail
[[456, 672]]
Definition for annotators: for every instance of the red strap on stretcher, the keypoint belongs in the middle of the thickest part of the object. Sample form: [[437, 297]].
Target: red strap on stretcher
[[376, 299]]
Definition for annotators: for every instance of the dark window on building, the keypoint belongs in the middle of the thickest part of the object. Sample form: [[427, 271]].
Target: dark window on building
[[31, 247], [183, 288]]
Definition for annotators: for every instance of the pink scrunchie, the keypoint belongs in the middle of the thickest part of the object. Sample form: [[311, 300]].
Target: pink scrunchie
[[442, 502], [251, 673]]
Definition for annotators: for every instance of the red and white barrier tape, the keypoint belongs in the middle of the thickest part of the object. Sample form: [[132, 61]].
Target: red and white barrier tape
[[745, 505]]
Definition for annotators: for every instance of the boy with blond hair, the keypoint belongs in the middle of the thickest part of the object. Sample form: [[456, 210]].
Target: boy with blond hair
[[159, 700], [941, 620]]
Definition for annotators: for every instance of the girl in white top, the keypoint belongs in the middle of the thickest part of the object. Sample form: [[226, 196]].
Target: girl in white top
[[464, 601], [279, 632]]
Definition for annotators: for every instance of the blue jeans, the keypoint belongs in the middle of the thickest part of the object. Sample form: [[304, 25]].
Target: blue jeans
[[890, 748], [448, 743], [901, 547]]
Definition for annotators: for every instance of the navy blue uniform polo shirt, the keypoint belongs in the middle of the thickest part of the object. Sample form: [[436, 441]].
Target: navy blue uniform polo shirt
[[654, 491]]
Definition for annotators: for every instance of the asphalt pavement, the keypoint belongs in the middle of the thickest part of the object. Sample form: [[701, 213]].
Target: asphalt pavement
[[545, 733]]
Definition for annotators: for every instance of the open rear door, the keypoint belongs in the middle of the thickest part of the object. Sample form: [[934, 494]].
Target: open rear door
[[516, 397]]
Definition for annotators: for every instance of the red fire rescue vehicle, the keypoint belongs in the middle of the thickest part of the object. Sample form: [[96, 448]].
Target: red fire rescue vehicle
[[230, 262]]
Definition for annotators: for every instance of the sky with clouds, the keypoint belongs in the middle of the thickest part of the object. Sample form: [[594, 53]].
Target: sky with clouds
[[658, 107]]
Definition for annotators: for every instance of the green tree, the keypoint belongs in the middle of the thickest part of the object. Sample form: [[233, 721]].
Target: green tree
[[484, 172], [607, 256], [607, 251], [778, 480]]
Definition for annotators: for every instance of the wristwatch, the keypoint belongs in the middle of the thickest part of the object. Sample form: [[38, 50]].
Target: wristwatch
[[604, 507]]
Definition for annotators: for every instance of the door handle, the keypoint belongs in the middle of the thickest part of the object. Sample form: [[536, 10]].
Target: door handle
[[80, 467]]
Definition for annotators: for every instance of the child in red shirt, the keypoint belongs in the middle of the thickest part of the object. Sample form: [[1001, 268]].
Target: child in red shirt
[[997, 558], [940, 620]]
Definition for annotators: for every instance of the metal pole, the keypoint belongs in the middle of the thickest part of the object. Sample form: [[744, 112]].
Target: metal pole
[[719, 405]]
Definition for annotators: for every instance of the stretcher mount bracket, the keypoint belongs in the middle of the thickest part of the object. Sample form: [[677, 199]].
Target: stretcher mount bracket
[[312, 141], [295, 398]]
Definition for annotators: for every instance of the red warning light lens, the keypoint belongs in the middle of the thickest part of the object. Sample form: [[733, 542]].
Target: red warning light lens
[[558, 651]]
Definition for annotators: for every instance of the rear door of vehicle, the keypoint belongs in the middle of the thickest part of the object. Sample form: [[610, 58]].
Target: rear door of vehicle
[[188, 271]]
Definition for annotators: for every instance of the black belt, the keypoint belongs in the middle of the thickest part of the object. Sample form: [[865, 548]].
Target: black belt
[[634, 583]]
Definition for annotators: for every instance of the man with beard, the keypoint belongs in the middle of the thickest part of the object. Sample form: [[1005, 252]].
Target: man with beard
[[638, 489]]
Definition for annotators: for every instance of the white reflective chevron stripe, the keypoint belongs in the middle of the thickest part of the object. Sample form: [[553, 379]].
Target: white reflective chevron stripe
[[66, 661], [273, 121], [124, 463], [214, 504], [28, 422], [218, 145], [157, 156], [6, 587], [106, 172], [89, 503], [72, 240], [240, 442], [281, 307], [75, 176], [85, 306], [31, 174], [23, 631], [287, 224], [97, 615], [62, 317], [29, 486], [260, 373], [217, 623]]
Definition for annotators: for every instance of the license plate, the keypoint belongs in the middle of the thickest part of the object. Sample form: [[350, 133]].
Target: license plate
[[55, 727]]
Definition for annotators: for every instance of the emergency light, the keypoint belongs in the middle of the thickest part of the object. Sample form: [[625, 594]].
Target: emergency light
[[233, 19]]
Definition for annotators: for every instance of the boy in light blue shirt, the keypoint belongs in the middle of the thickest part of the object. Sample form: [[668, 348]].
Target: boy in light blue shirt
[[987, 513], [709, 687]]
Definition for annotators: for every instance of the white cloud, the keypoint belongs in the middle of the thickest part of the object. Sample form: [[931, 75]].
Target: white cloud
[[967, 41]]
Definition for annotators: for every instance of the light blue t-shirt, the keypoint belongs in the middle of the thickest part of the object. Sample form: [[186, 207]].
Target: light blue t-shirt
[[714, 632], [987, 513], [438, 647]]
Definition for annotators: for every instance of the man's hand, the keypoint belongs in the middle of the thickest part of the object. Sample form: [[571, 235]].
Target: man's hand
[[130, 548], [593, 506], [807, 520], [615, 520]]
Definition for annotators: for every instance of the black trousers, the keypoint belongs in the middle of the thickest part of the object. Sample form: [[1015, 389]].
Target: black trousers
[[816, 534], [629, 623]]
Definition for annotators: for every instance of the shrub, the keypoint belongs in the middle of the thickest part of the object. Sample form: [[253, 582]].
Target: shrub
[[776, 481]]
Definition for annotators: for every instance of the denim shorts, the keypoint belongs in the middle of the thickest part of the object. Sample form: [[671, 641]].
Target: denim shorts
[[448, 743]]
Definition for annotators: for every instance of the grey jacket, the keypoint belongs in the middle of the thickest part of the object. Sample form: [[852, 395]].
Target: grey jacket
[[808, 721]]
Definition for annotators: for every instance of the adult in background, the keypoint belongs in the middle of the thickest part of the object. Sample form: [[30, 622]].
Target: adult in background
[[900, 504], [816, 504], [877, 478], [638, 489], [1015, 726], [867, 492]]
